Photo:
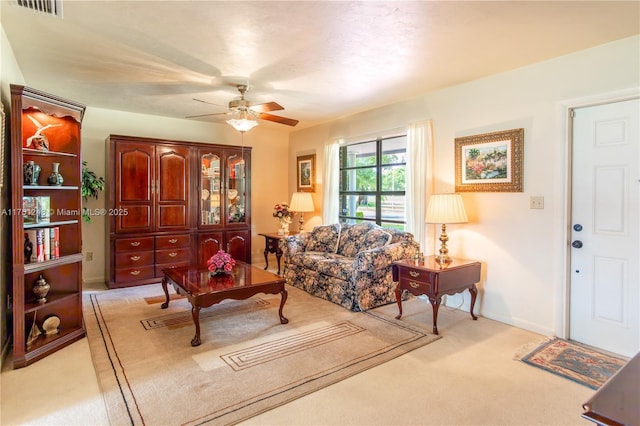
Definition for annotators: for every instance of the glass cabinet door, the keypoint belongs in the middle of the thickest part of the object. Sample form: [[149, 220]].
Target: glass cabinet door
[[211, 190], [236, 189]]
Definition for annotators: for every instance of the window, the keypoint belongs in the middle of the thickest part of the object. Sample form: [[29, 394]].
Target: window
[[372, 182]]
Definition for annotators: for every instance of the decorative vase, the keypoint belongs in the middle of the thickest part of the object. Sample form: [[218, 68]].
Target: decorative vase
[[30, 173], [40, 289], [55, 178], [284, 226], [218, 273]]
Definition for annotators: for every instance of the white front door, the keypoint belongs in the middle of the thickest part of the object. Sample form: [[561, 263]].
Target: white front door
[[605, 227]]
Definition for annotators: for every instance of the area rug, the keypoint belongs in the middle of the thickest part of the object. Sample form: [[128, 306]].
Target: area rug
[[574, 361], [247, 363]]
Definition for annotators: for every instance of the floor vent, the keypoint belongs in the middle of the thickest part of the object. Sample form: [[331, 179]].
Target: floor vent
[[50, 7]]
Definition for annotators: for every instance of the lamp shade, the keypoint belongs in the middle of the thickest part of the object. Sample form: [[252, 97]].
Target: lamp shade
[[243, 123], [446, 208], [301, 202]]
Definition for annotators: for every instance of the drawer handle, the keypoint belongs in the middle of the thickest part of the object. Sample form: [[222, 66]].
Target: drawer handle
[[174, 254], [173, 241], [414, 274], [135, 272], [414, 284], [135, 244], [135, 258]]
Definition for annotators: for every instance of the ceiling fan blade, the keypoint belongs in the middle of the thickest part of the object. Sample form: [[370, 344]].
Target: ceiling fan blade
[[267, 106], [208, 103], [278, 119], [207, 115]]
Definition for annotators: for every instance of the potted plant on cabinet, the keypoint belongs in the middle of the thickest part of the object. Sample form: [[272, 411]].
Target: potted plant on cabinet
[[91, 187]]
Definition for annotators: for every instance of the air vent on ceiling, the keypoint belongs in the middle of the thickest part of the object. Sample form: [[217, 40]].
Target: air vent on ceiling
[[50, 7]]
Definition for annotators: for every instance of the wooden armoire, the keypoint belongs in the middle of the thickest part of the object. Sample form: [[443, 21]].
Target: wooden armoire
[[173, 203]]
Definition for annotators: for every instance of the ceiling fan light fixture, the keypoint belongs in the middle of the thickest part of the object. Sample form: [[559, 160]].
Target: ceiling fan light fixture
[[243, 123]]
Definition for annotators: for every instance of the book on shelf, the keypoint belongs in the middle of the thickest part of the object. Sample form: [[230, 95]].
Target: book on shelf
[[29, 210], [41, 244], [47, 244], [36, 209], [44, 209], [55, 247]]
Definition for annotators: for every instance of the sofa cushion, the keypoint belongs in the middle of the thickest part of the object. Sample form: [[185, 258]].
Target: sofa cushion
[[375, 238], [324, 238], [340, 267], [310, 259], [352, 238], [399, 236]]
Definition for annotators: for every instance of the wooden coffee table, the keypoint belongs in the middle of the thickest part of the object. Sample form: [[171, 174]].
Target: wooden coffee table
[[203, 291]]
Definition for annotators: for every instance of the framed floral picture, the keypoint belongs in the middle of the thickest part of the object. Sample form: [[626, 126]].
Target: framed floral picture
[[490, 162], [307, 173]]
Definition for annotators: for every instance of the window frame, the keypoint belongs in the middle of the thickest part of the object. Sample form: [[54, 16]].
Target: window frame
[[378, 193]]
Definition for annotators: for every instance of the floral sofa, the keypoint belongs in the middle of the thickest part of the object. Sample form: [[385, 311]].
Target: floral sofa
[[347, 264]]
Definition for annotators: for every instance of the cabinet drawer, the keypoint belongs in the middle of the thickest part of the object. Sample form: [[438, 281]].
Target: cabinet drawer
[[415, 287], [172, 256], [134, 259], [133, 274], [134, 244], [415, 275], [172, 241]]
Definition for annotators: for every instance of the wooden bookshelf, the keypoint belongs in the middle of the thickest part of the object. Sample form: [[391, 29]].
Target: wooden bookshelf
[[35, 113]]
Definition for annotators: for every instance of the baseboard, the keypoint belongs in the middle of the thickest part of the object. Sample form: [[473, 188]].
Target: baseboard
[[94, 282], [520, 323]]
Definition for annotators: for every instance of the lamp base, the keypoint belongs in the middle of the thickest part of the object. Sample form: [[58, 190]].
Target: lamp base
[[301, 222], [443, 258]]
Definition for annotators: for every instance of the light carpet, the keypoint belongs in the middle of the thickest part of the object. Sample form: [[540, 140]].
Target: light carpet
[[248, 362], [574, 361]]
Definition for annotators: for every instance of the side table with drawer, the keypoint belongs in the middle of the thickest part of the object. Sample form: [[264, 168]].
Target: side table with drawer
[[272, 245], [433, 280]]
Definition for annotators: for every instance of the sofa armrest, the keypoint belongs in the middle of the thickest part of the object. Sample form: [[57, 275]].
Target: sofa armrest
[[383, 257], [294, 244]]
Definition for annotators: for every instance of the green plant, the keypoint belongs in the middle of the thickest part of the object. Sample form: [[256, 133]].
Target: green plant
[[91, 187]]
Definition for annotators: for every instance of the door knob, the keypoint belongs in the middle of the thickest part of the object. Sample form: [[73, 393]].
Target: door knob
[[577, 227], [576, 244]]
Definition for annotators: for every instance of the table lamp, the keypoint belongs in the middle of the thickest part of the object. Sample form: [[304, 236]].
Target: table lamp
[[445, 208], [301, 202]]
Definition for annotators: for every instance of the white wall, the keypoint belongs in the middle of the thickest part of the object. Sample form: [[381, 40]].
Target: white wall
[[522, 250], [268, 175]]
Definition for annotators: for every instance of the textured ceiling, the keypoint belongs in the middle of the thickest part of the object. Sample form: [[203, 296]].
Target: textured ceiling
[[319, 59]]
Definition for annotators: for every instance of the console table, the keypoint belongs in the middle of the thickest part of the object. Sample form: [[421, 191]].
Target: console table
[[272, 245], [434, 280]]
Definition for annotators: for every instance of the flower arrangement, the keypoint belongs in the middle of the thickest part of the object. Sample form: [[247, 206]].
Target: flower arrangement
[[284, 215], [220, 263], [281, 211]]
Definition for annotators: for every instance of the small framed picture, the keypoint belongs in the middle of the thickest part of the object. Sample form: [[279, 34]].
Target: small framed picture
[[307, 173], [490, 162]]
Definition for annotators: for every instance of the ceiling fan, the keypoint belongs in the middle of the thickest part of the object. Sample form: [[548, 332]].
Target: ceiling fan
[[246, 112]]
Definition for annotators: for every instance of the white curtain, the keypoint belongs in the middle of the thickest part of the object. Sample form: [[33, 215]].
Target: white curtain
[[419, 183], [331, 181]]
